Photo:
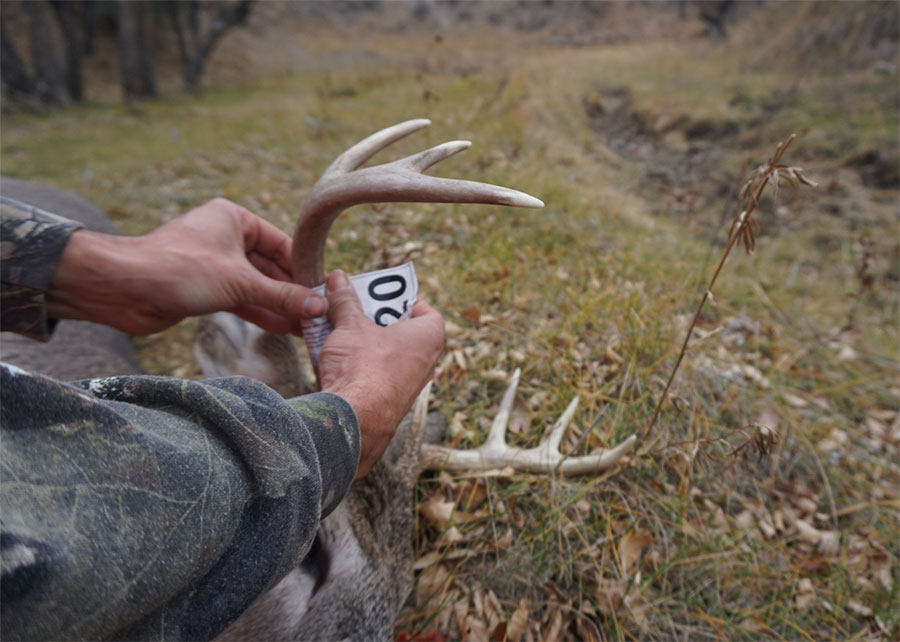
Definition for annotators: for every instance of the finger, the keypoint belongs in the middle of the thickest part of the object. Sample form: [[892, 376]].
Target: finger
[[422, 307], [343, 304], [285, 299], [426, 318], [268, 321], [424, 329], [264, 238], [268, 267]]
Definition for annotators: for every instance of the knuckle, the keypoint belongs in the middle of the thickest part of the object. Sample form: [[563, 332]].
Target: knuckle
[[284, 296], [219, 202]]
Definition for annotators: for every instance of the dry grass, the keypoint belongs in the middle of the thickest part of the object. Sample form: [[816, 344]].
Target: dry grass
[[639, 150]]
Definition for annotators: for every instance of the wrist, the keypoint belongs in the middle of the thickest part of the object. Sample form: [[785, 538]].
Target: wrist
[[95, 278], [357, 400]]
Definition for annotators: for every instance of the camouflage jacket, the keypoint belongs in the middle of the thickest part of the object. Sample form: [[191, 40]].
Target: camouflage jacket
[[31, 243], [140, 507]]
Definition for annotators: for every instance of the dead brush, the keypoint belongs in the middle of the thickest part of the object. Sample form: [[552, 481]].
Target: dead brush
[[744, 229], [864, 277]]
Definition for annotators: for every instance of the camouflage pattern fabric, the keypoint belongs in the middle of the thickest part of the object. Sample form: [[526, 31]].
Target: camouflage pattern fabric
[[141, 507], [31, 242], [144, 507]]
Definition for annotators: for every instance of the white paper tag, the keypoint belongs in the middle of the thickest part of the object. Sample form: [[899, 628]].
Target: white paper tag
[[387, 296]]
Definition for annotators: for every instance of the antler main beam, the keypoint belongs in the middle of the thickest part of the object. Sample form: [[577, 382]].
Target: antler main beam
[[544, 458], [344, 184]]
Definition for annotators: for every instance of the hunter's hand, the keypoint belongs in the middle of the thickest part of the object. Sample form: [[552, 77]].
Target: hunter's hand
[[216, 257], [378, 371]]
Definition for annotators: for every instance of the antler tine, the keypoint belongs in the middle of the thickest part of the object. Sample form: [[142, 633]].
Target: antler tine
[[423, 160], [497, 435], [343, 184], [371, 145], [544, 458], [555, 434]]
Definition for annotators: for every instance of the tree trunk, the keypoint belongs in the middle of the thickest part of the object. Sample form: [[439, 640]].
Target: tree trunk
[[89, 25], [196, 49], [135, 52], [13, 72], [47, 68], [173, 10], [65, 16]]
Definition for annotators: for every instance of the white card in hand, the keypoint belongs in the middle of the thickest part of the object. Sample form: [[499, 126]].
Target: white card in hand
[[386, 296]]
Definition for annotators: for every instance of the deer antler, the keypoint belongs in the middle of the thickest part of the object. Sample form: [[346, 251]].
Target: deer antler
[[343, 184], [544, 458]]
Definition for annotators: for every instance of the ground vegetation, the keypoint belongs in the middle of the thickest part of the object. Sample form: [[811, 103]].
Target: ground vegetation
[[764, 502]]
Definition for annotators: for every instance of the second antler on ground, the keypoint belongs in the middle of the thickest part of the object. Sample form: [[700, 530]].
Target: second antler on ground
[[543, 458]]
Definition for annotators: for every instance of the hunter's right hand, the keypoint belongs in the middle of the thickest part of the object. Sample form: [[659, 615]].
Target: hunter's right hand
[[378, 371]]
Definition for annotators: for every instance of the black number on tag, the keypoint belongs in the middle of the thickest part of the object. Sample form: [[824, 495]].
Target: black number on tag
[[383, 311], [400, 288]]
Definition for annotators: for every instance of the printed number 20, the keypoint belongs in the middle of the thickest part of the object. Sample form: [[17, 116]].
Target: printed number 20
[[398, 284]]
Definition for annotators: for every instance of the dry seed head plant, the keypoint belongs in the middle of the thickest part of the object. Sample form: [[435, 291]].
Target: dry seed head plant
[[745, 229]]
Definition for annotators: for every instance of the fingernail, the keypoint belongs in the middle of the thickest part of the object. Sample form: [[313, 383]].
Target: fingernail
[[338, 281], [315, 306]]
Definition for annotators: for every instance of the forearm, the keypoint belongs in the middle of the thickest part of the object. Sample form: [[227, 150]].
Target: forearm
[[113, 280], [177, 502]]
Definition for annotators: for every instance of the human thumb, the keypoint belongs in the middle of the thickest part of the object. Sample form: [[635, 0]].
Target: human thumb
[[343, 304], [286, 299]]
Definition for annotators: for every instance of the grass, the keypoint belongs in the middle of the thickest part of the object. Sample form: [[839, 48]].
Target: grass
[[591, 296]]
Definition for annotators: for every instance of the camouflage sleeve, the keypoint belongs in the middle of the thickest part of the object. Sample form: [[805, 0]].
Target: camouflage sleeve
[[31, 243], [142, 507]]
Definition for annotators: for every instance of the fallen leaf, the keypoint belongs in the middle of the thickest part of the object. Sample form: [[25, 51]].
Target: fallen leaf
[[587, 629], [630, 548], [518, 621], [442, 512], [752, 625], [475, 629], [429, 559], [430, 587], [450, 537], [795, 401], [471, 313], [767, 528], [638, 608], [806, 594], [745, 519], [554, 629], [859, 609], [826, 541], [437, 511]]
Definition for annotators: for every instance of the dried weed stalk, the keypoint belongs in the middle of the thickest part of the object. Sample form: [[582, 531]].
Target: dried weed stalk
[[744, 228], [761, 441], [864, 277]]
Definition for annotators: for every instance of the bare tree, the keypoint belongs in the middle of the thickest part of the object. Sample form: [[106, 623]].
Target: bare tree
[[135, 50], [89, 25], [196, 44], [716, 15], [44, 56], [18, 82], [66, 16]]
